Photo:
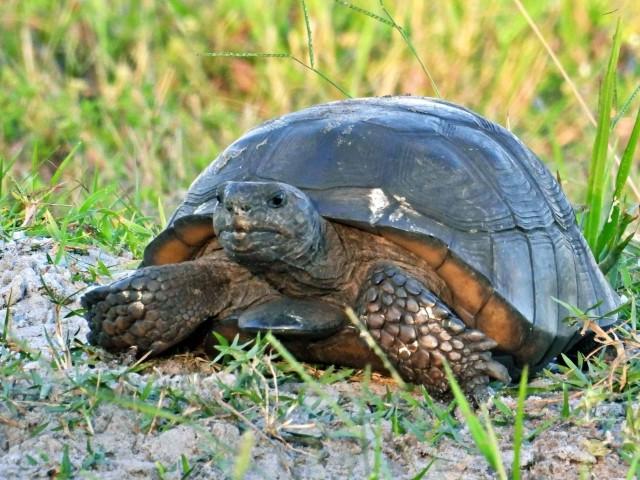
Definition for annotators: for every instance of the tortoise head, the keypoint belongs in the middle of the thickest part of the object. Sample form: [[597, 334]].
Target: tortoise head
[[263, 224]]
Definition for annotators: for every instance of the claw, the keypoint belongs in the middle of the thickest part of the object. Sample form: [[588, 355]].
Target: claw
[[497, 370], [93, 296], [483, 345]]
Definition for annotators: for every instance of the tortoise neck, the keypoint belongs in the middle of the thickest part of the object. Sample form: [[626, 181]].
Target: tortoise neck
[[322, 266]]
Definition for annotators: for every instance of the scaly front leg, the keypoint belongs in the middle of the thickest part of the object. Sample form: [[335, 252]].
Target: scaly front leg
[[159, 306]]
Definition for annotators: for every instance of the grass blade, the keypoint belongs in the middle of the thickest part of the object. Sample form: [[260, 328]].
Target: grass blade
[[409, 43], [2, 173], [278, 55], [614, 255], [308, 380], [307, 25], [483, 439], [518, 426], [566, 407], [243, 459], [247, 54], [373, 345], [392, 23], [598, 166], [627, 158], [625, 107], [634, 468], [608, 234], [365, 12], [58, 173]]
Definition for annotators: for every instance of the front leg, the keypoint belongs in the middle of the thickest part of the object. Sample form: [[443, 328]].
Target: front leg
[[418, 333], [159, 306]]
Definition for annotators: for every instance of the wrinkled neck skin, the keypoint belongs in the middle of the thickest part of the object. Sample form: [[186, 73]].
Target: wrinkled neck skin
[[319, 265]]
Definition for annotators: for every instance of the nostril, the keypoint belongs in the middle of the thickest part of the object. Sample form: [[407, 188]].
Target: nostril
[[237, 207]]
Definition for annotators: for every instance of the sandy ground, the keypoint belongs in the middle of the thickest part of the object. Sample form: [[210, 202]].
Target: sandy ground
[[585, 447]]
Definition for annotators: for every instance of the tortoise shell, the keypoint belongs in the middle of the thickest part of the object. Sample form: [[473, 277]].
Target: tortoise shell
[[440, 181]]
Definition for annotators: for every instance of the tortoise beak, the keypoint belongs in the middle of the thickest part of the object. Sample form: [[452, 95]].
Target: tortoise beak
[[240, 223]]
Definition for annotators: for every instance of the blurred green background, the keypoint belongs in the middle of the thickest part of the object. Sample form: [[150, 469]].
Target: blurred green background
[[124, 92]]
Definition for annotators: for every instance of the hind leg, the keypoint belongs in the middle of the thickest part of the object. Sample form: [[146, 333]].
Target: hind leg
[[419, 333]]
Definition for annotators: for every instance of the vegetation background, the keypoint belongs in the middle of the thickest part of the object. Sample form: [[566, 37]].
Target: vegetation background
[[109, 109], [121, 94]]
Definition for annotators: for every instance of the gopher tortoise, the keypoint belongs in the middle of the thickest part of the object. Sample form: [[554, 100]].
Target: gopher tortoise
[[445, 234]]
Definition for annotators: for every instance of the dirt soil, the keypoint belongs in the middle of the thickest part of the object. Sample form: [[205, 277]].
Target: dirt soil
[[568, 449]]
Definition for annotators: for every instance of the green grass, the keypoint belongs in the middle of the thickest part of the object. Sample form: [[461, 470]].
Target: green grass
[[606, 220], [109, 112], [133, 94]]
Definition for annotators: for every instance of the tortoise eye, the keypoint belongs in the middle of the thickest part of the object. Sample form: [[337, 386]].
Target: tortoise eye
[[278, 199], [219, 197]]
